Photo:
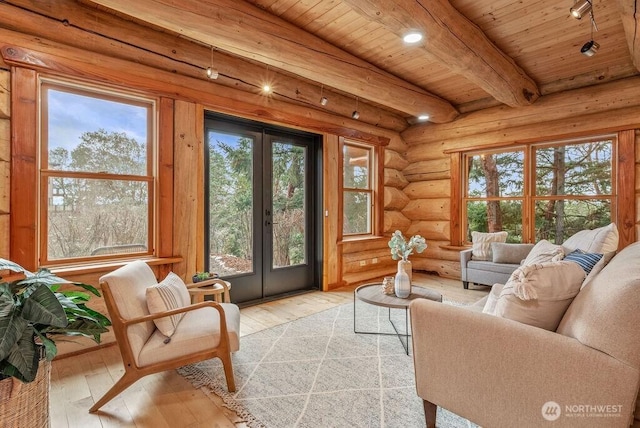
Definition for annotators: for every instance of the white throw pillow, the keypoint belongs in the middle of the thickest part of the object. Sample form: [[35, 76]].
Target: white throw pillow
[[169, 294], [492, 299], [601, 240], [482, 244], [544, 252], [540, 294]]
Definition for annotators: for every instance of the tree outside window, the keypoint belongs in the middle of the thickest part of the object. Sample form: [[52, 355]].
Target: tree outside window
[[97, 181], [565, 187]]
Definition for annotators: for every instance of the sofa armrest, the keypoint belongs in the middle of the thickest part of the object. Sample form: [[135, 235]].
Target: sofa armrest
[[497, 372], [465, 257]]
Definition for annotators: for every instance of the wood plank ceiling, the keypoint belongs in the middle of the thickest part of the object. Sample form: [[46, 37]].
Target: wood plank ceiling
[[476, 53]]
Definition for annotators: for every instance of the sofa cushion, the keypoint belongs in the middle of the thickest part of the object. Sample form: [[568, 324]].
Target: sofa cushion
[[492, 299], [543, 252], [605, 314], [510, 253], [482, 243], [169, 294], [606, 258], [540, 294], [506, 268], [601, 240]]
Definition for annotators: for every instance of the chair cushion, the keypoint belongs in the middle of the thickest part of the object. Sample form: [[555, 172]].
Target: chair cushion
[[539, 294], [169, 294], [601, 240], [199, 330], [543, 252], [510, 253], [506, 268], [482, 243]]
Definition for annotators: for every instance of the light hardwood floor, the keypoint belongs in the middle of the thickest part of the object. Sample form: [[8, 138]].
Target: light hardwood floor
[[168, 400]]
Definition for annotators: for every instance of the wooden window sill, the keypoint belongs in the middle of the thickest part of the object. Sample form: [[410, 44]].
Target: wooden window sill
[[80, 269]]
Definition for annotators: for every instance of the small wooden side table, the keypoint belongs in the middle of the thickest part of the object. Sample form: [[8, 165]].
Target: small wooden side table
[[216, 287]]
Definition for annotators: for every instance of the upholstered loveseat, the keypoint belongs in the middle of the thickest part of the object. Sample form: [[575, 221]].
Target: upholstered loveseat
[[500, 372]]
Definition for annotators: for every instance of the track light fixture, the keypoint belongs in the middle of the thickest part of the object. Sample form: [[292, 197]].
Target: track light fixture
[[212, 73], [356, 113], [591, 47], [581, 8], [323, 99]]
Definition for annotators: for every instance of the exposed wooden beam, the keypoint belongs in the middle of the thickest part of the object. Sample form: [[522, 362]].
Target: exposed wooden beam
[[248, 31], [97, 31], [458, 43], [630, 11]]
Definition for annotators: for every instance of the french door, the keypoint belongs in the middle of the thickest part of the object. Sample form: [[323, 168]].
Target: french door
[[262, 208]]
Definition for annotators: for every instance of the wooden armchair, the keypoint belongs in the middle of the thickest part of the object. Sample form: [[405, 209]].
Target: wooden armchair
[[207, 330]]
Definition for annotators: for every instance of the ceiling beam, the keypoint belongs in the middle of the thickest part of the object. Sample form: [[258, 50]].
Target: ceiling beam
[[248, 31], [630, 13], [458, 43]]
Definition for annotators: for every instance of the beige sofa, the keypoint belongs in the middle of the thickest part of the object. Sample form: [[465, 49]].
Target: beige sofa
[[502, 373]]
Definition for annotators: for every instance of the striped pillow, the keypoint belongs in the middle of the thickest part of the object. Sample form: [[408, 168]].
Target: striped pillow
[[586, 260], [169, 294]]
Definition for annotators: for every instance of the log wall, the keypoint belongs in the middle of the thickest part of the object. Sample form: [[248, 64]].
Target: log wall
[[184, 97], [606, 108]]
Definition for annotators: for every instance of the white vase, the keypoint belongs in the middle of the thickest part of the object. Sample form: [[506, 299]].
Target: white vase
[[403, 282]]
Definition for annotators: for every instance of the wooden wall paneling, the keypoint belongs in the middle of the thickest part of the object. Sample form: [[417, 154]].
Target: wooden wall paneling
[[394, 199], [564, 107], [445, 268], [33, 52], [99, 31], [637, 186], [380, 191], [164, 223], [198, 128], [331, 219], [5, 162], [431, 230], [428, 170], [626, 218], [429, 189], [395, 220], [394, 160], [455, 209], [394, 178], [428, 209], [186, 156], [435, 250], [24, 146]]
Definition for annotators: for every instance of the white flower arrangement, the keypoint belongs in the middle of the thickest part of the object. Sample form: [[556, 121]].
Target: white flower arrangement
[[401, 249]]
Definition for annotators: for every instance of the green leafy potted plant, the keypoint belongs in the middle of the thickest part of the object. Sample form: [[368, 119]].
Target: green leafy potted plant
[[33, 308]]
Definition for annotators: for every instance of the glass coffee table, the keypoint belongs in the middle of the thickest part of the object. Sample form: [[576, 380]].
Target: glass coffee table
[[373, 295]]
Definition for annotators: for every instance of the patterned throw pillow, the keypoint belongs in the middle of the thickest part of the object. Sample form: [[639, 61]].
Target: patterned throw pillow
[[586, 260], [169, 294], [482, 244]]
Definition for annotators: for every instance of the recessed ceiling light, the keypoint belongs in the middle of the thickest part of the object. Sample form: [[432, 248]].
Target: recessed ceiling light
[[412, 37], [423, 117]]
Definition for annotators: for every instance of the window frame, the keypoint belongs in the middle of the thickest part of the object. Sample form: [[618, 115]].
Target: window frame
[[530, 197], [103, 92], [376, 166]]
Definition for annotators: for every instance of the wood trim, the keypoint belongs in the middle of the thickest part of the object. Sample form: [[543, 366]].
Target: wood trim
[[164, 230], [111, 266], [455, 219], [626, 179], [200, 229], [24, 173], [379, 192]]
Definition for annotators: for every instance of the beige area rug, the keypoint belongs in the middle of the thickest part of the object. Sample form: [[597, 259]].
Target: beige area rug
[[315, 372]]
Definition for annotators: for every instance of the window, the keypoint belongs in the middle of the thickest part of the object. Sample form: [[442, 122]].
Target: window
[[358, 188], [96, 173], [540, 191]]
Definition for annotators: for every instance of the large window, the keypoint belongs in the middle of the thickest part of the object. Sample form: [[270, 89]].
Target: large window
[[96, 173], [540, 191], [358, 188]]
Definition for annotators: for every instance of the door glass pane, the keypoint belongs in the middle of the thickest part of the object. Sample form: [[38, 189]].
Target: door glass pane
[[230, 203], [288, 170], [91, 217]]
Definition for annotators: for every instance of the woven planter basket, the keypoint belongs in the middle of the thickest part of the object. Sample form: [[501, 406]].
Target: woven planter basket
[[26, 404]]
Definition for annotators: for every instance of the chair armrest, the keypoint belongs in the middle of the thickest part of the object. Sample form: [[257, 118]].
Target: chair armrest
[[151, 317], [498, 372], [465, 256]]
